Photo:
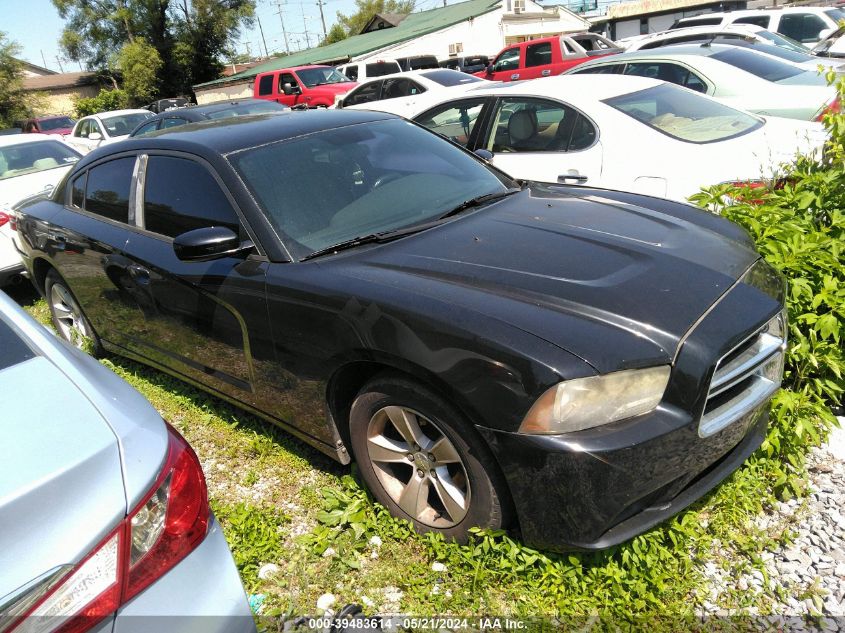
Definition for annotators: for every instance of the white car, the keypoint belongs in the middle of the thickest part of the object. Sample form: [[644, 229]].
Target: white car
[[407, 88], [625, 133], [718, 33], [735, 75], [359, 71], [832, 46], [104, 128], [30, 164], [807, 25]]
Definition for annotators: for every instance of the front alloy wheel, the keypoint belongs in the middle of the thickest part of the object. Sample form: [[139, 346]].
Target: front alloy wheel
[[68, 317]]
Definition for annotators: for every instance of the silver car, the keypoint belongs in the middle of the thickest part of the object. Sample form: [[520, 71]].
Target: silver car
[[104, 512]]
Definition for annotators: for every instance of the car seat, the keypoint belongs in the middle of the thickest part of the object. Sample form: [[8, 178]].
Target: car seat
[[45, 163], [522, 129]]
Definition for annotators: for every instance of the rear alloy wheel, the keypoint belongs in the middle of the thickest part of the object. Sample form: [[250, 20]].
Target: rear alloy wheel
[[68, 318], [422, 461]]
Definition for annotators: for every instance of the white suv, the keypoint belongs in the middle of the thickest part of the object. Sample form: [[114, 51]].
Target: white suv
[[359, 71], [807, 25]]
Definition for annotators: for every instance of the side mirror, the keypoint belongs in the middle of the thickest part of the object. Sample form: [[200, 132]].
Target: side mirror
[[825, 33], [484, 154], [95, 136], [288, 89], [489, 69], [206, 244]]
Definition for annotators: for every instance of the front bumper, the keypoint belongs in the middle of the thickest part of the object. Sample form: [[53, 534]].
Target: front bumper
[[590, 491], [202, 594]]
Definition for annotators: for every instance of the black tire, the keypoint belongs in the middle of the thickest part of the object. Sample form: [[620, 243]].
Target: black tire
[[70, 321], [475, 479]]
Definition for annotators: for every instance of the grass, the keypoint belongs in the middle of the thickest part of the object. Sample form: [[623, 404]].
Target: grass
[[282, 502]]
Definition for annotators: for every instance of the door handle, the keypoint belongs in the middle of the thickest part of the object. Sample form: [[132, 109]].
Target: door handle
[[567, 178], [546, 73], [515, 76]]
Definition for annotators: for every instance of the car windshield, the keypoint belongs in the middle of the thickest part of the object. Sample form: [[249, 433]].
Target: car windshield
[[684, 115], [784, 42], [259, 106], [319, 76], [123, 124], [796, 57], [450, 77], [758, 65], [335, 185], [55, 124], [29, 158]]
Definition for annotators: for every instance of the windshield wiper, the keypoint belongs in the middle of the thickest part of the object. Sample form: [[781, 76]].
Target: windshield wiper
[[372, 238], [479, 200]]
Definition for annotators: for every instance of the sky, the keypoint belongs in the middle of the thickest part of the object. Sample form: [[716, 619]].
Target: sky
[[37, 27]]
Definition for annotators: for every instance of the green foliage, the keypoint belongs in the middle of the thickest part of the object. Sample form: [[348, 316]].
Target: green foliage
[[799, 228], [353, 24], [191, 38], [15, 104], [139, 64], [254, 534], [103, 102]]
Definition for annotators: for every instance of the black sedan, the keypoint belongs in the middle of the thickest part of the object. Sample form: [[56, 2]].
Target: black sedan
[[581, 361], [175, 117]]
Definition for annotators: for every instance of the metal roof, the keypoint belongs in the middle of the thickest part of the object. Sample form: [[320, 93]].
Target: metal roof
[[415, 25]]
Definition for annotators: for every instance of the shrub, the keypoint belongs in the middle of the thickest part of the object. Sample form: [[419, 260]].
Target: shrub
[[107, 100]]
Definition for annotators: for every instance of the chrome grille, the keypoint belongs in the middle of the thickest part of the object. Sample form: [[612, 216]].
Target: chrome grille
[[745, 377]]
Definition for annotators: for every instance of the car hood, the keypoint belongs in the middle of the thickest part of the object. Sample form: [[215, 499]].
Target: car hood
[[13, 190], [571, 270], [338, 88]]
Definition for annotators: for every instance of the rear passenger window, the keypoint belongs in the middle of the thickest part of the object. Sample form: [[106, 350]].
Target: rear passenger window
[[107, 191], [351, 72], [265, 86], [758, 20], [77, 191], [538, 54], [181, 195]]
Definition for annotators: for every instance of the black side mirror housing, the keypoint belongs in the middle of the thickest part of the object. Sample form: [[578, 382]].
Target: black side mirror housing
[[209, 243], [489, 69], [484, 154], [287, 89]]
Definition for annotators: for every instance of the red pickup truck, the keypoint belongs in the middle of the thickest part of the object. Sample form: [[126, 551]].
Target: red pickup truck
[[308, 86], [547, 56]]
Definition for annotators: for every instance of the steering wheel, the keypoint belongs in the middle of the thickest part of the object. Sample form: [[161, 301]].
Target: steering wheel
[[386, 178]]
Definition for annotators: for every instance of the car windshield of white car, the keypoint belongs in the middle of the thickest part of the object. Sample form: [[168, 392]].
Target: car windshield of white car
[[123, 124], [759, 65], [29, 158], [450, 77], [336, 185], [684, 115]]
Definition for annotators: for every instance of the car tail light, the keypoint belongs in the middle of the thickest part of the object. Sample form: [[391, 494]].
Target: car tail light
[[6, 218], [170, 522], [834, 107]]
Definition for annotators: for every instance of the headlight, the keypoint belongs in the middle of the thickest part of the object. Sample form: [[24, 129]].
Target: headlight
[[584, 403]]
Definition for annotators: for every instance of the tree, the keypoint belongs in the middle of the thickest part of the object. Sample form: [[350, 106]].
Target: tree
[[352, 24], [139, 64], [192, 37], [15, 104], [335, 34]]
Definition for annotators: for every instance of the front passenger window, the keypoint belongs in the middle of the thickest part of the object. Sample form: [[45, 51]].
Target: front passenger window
[[181, 195], [509, 60], [455, 121]]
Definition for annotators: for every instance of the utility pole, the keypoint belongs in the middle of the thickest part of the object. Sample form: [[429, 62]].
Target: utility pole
[[248, 51], [305, 25], [261, 30], [284, 32], [59, 62], [320, 4]]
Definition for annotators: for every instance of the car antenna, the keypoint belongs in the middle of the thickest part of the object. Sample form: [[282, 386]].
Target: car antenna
[[708, 43]]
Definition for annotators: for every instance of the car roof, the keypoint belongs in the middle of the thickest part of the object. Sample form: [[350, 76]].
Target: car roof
[[704, 28], [295, 68], [20, 139], [224, 136], [598, 86], [111, 113], [688, 50]]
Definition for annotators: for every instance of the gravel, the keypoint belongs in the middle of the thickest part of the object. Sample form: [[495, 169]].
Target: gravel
[[806, 577]]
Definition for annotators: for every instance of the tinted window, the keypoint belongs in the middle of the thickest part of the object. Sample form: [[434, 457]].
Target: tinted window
[[181, 195], [400, 87], [422, 62], [256, 106], [365, 94], [14, 349], [508, 60], [330, 186], [538, 54], [531, 125], [684, 115], [124, 124], [287, 78], [172, 122], [382, 68], [265, 85], [759, 20], [604, 69], [803, 27], [107, 193], [450, 78], [152, 126], [351, 72], [455, 121], [320, 76], [77, 192], [698, 22], [756, 64], [673, 73]]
